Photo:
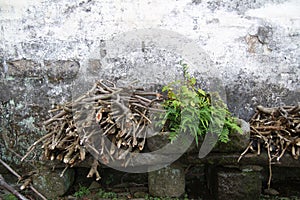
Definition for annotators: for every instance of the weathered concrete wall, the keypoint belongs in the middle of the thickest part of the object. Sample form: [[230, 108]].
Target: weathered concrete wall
[[45, 45]]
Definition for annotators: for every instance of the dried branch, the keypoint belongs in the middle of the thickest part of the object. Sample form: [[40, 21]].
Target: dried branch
[[105, 113], [94, 170], [11, 189], [278, 129], [244, 152], [19, 177]]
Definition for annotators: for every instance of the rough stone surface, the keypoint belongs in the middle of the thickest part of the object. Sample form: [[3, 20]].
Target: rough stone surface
[[94, 66], [255, 50], [168, 181], [47, 30], [231, 159], [238, 141], [243, 104], [27, 93], [158, 141], [46, 45], [239, 185], [23, 67], [196, 186], [51, 184], [61, 70]]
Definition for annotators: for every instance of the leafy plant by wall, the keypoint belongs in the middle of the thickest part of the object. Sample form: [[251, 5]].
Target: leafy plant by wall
[[189, 109]]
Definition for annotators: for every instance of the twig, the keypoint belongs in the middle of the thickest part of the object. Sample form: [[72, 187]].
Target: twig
[[275, 128], [283, 151], [10, 169], [37, 192], [11, 150], [263, 137], [55, 118], [101, 96], [87, 94], [143, 115], [244, 152], [295, 109], [270, 165], [19, 177], [94, 171], [122, 113], [278, 128], [11, 189], [267, 110], [63, 172], [31, 148], [148, 108], [258, 147]]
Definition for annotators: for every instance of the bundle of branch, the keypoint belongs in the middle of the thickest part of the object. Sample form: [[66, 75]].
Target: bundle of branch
[[277, 130], [108, 121]]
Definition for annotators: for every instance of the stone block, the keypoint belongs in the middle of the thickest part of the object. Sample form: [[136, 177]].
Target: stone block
[[238, 141], [158, 141], [51, 184], [24, 68], [61, 70], [238, 184], [168, 181], [94, 66]]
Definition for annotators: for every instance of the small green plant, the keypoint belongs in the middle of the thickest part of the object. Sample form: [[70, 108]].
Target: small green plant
[[189, 109], [185, 197], [107, 195], [268, 197], [83, 191], [148, 197], [10, 197], [109, 179]]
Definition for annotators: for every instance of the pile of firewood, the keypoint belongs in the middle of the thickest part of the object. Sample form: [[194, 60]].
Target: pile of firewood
[[276, 130], [119, 115]]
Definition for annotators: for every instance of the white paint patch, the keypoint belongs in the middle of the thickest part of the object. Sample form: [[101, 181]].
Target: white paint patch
[[289, 9], [286, 14], [67, 29], [15, 9]]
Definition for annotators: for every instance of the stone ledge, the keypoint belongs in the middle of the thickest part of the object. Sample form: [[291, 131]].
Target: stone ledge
[[231, 159], [55, 70]]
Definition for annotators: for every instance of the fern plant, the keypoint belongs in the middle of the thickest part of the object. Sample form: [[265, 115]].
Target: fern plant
[[83, 191], [189, 109]]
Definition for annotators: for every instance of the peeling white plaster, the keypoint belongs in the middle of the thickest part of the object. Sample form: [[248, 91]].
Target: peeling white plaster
[[286, 10], [67, 29], [14, 9]]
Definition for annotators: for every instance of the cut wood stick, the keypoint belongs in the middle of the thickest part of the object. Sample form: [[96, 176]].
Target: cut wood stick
[[267, 110], [32, 147], [122, 114], [275, 128], [295, 109], [55, 118]]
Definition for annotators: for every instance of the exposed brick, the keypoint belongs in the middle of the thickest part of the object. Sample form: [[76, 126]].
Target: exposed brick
[[24, 68], [94, 65], [61, 70]]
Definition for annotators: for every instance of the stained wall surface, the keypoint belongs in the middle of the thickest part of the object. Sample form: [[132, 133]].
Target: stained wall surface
[[253, 46]]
